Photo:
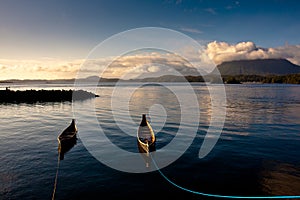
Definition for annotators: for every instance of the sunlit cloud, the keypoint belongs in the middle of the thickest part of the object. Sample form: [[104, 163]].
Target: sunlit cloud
[[221, 51], [130, 66], [38, 69], [148, 64]]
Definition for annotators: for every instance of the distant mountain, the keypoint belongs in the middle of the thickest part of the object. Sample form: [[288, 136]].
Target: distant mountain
[[165, 78], [261, 67], [98, 79]]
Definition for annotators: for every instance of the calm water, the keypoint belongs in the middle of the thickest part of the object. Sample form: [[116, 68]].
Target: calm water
[[257, 153]]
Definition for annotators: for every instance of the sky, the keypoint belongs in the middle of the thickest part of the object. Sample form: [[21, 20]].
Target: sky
[[49, 39]]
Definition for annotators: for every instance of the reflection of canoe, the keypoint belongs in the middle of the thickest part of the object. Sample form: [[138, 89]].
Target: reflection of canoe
[[145, 139], [67, 139]]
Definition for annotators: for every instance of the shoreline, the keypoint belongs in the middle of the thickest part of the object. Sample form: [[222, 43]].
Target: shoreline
[[34, 96]]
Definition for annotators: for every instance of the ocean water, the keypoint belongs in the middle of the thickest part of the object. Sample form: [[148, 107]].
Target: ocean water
[[257, 153]]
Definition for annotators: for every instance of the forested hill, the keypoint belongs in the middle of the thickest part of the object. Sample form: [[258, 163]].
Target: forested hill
[[260, 67]]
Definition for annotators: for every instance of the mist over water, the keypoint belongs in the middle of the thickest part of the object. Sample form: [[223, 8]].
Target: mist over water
[[257, 153]]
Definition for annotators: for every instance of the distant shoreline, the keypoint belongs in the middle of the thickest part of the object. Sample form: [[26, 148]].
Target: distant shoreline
[[288, 78]]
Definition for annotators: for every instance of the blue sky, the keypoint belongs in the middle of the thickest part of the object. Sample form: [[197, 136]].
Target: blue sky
[[69, 29]]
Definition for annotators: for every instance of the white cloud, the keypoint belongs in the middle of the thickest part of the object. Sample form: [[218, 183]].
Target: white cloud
[[153, 69], [221, 51]]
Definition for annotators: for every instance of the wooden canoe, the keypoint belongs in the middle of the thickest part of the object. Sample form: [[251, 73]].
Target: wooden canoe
[[67, 139], [145, 136]]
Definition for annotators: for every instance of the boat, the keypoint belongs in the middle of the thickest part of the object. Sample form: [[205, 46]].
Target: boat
[[145, 136], [67, 139]]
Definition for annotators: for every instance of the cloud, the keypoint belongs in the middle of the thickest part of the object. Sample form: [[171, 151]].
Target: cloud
[[2, 67], [146, 63], [235, 4], [38, 69], [137, 64], [290, 52], [191, 30], [178, 2], [211, 11], [153, 69], [221, 51]]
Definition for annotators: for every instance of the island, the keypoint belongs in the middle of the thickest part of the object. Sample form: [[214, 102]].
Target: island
[[34, 96]]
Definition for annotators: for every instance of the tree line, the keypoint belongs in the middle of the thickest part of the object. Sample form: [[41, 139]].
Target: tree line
[[288, 79]]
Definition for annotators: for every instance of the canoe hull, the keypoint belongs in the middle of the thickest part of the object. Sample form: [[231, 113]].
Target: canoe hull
[[146, 138], [146, 141], [67, 139]]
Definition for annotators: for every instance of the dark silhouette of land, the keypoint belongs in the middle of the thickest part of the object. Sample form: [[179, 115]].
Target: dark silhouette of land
[[33, 96], [260, 67]]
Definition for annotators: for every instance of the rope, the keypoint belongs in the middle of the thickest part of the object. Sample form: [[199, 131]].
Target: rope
[[56, 175], [217, 195]]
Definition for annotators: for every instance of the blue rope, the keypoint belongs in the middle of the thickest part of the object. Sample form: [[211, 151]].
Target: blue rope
[[221, 196]]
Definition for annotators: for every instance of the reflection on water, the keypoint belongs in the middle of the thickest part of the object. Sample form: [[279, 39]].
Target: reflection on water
[[65, 146], [67, 139], [280, 178], [147, 156]]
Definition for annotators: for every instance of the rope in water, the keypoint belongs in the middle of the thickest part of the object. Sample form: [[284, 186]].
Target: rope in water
[[56, 175], [217, 195]]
